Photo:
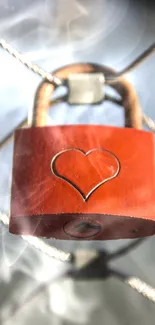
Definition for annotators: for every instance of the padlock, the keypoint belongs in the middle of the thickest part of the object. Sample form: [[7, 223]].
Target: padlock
[[84, 182]]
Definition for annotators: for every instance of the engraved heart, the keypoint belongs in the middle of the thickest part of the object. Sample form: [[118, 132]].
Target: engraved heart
[[85, 171]]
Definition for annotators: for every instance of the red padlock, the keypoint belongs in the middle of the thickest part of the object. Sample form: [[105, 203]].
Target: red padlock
[[87, 182]]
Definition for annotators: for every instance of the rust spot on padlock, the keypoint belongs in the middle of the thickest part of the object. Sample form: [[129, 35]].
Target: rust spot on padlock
[[45, 204]]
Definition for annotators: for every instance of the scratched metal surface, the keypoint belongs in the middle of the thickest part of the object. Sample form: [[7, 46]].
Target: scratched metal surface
[[53, 34]]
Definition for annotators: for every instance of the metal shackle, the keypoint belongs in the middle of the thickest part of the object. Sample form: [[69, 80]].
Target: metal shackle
[[130, 102]]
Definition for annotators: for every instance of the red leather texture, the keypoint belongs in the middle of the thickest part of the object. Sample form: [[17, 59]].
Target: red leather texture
[[83, 182]]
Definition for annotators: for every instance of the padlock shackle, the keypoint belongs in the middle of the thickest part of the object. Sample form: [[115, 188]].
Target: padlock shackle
[[130, 102]]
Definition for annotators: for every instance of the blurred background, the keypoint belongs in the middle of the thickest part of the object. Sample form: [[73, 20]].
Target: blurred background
[[52, 34]]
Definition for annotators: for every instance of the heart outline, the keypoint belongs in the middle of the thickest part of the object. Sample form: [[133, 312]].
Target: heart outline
[[87, 196]]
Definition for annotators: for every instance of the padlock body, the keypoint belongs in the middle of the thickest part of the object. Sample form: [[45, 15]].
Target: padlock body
[[86, 182]]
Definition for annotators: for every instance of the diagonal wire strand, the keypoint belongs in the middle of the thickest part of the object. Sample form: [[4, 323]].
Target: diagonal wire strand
[[33, 67], [132, 65], [137, 284], [126, 249]]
